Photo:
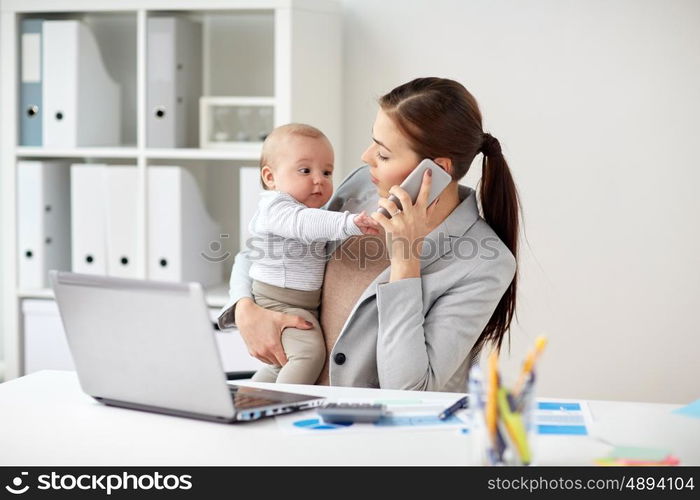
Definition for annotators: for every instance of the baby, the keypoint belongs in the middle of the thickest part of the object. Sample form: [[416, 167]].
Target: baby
[[289, 232]]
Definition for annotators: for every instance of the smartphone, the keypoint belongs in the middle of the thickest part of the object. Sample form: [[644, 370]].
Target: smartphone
[[412, 184]]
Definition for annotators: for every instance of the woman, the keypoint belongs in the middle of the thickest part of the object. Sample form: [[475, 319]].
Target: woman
[[411, 308]]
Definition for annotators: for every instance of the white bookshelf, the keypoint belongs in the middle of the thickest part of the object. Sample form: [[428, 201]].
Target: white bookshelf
[[286, 50], [38, 152]]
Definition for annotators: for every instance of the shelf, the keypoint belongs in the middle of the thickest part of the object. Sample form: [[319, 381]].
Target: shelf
[[247, 153], [97, 152], [251, 152], [216, 295], [41, 293]]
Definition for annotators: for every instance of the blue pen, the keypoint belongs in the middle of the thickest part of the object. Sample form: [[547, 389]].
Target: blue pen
[[461, 403], [525, 394]]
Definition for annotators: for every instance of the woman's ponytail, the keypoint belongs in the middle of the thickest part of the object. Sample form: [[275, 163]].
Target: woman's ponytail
[[499, 202]]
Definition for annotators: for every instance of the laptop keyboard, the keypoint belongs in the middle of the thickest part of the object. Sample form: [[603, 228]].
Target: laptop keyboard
[[242, 401]]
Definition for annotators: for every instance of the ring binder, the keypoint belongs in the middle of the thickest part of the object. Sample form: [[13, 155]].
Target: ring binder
[[174, 81], [180, 229], [88, 216], [81, 100], [30, 106], [43, 225]]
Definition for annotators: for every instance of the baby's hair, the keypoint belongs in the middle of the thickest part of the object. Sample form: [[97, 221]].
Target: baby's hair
[[301, 129]]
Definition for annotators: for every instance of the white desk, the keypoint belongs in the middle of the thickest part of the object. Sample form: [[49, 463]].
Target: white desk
[[45, 419]]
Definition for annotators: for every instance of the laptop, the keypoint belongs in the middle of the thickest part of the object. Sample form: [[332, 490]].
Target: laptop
[[148, 345]]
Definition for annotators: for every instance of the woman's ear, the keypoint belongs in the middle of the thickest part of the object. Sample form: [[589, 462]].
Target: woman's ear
[[267, 177], [445, 163]]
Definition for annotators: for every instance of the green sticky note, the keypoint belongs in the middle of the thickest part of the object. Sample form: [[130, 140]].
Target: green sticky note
[[638, 454]]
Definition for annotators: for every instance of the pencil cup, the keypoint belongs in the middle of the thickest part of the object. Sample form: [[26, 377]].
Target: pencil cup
[[482, 451], [502, 425], [527, 406]]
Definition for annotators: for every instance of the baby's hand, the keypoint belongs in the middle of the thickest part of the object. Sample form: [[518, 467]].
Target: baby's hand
[[367, 224]]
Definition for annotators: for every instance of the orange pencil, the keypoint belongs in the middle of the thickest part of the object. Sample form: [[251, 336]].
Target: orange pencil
[[540, 343]]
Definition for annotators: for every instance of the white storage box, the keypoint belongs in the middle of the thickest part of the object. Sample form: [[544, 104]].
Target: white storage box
[[45, 344], [240, 123]]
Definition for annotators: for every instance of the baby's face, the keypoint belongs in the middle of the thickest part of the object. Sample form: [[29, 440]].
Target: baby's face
[[303, 168]]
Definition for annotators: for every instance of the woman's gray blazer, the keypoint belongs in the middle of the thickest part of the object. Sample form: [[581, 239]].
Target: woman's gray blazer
[[414, 333]]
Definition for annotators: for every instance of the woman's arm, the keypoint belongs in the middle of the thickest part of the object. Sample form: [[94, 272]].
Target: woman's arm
[[239, 287], [417, 352]]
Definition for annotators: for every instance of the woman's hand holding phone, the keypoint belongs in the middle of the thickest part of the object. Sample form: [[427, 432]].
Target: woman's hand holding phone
[[406, 214], [407, 228], [413, 182]]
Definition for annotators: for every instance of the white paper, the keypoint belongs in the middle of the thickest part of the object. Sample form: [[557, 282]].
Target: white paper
[[402, 415]]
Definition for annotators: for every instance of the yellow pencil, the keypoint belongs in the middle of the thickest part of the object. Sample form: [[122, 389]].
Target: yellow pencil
[[491, 399], [540, 343]]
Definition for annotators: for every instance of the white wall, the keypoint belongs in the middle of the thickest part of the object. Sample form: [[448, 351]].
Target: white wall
[[596, 104], [2, 342]]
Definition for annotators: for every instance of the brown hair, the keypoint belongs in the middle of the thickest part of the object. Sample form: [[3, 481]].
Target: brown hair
[[301, 129], [441, 118]]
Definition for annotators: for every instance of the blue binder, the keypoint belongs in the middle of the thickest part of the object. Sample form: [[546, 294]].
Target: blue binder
[[31, 111]]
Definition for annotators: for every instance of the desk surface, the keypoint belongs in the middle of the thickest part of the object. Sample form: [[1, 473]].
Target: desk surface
[[45, 419]]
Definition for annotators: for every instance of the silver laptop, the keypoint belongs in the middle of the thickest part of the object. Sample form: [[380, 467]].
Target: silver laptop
[[149, 345]]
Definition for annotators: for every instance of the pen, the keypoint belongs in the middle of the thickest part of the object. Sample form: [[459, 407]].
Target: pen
[[521, 399], [540, 342], [461, 403]]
